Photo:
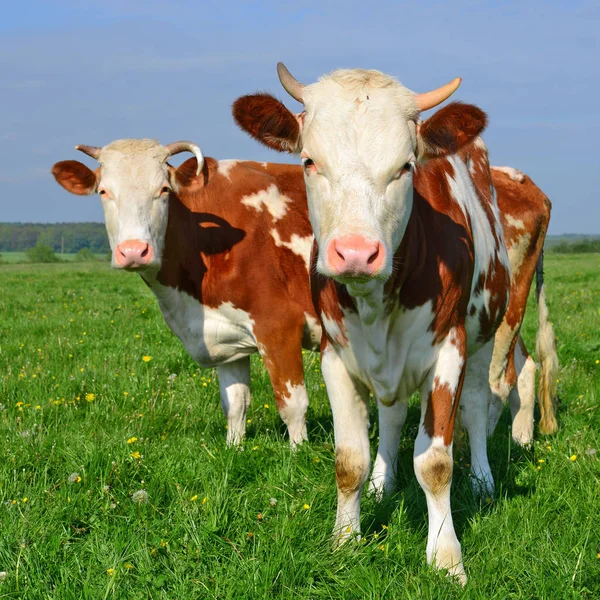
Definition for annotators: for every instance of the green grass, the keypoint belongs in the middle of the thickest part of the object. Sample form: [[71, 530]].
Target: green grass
[[74, 389], [21, 257]]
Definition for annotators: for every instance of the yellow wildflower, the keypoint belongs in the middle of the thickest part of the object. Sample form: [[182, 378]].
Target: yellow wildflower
[[128, 566], [194, 498], [573, 457], [90, 397], [135, 454], [131, 440], [146, 358], [306, 506], [110, 571]]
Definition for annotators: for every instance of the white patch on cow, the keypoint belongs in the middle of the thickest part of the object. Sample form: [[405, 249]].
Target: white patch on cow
[[225, 166], [294, 412], [271, 199], [212, 336], [516, 223], [264, 165], [298, 245], [313, 332], [449, 364], [392, 353], [513, 173], [517, 253], [464, 193], [332, 327], [479, 143]]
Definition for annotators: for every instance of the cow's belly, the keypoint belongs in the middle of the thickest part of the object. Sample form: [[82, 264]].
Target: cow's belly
[[212, 336], [392, 356]]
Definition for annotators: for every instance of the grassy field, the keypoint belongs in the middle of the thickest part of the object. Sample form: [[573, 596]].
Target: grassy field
[[101, 406], [21, 257]]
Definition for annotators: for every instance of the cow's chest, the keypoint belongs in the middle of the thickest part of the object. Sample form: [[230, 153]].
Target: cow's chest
[[391, 354], [212, 336]]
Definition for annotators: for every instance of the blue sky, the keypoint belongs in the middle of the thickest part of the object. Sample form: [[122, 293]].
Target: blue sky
[[74, 72]]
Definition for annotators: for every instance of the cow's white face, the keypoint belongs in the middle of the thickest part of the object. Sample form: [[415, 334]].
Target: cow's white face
[[359, 142], [358, 146], [134, 181], [134, 187]]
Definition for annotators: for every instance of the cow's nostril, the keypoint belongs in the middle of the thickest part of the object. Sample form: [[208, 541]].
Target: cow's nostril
[[144, 252], [373, 256]]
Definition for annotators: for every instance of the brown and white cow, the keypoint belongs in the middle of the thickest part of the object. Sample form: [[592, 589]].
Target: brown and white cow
[[224, 246], [411, 273], [525, 213]]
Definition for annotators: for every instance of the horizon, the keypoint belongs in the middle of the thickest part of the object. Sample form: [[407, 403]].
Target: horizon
[[74, 74]]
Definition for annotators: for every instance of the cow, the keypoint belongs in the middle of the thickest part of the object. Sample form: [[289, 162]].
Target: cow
[[518, 198], [410, 275], [224, 246]]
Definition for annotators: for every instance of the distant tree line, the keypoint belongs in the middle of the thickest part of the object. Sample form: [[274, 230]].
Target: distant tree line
[[60, 237], [584, 246]]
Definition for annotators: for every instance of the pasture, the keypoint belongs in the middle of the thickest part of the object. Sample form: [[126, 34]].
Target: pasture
[[115, 481]]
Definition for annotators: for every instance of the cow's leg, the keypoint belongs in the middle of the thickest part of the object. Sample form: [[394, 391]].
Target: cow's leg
[[522, 398], [440, 394], [474, 407], [283, 360], [234, 385], [391, 421], [349, 405]]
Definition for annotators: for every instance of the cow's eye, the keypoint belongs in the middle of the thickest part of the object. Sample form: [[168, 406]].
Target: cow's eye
[[309, 165], [102, 192], [165, 190], [405, 169]]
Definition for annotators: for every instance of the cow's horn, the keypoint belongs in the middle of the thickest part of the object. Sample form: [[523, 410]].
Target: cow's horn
[[92, 151], [177, 147], [430, 99], [291, 85]]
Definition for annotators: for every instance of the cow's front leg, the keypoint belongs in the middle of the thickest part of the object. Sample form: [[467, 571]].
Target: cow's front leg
[[349, 405], [282, 356], [234, 385], [440, 395], [391, 421]]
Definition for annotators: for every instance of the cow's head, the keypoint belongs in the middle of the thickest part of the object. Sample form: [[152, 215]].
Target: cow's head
[[134, 181], [360, 139]]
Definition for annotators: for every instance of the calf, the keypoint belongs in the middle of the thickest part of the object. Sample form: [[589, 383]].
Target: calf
[[411, 274], [224, 246]]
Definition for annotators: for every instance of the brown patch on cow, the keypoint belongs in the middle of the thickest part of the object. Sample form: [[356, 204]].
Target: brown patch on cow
[[75, 177], [436, 470], [268, 121], [350, 470], [450, 128], [440, 414], [218, 250]]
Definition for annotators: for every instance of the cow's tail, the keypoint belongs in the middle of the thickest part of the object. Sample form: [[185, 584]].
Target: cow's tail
[[547, 356]]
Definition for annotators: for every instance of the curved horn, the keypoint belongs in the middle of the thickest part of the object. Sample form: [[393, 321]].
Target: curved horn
[[92, 151], [430, 99], [291, 85], [177, 147]]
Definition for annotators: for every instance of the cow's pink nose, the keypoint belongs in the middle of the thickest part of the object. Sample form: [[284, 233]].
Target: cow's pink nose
[[133, 253], [354, 255]]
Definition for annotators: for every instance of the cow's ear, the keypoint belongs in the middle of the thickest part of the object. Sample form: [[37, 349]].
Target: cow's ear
[[75, 177], [185, 174], [267, 120], [449, 129]]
